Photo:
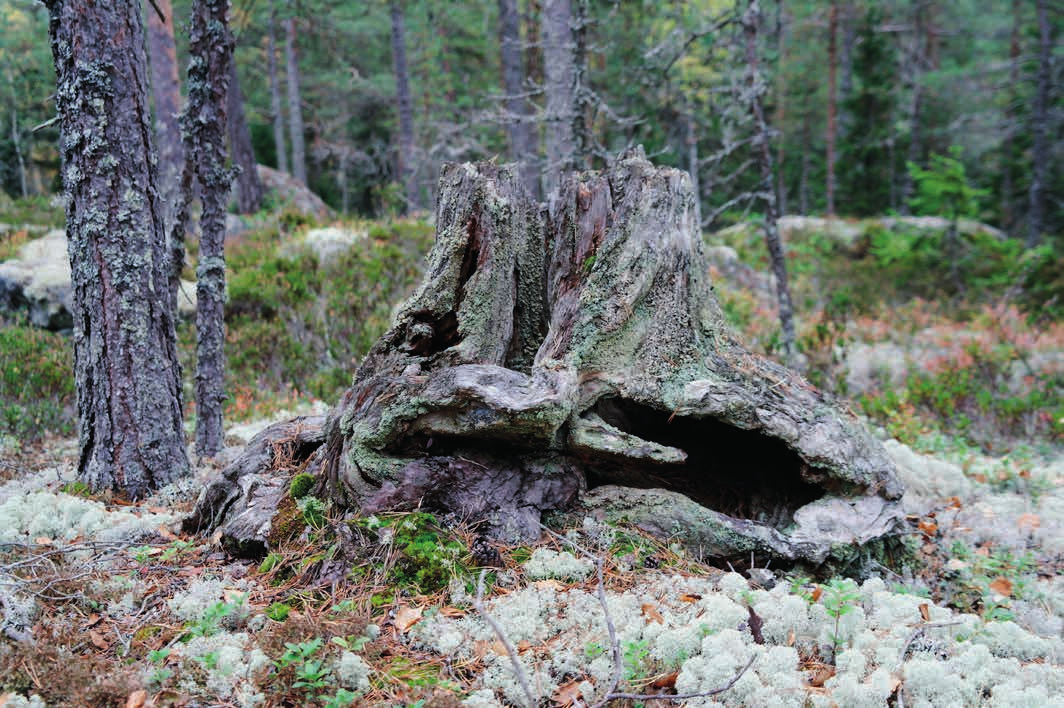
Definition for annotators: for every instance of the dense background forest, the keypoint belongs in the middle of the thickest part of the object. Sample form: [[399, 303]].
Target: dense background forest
[[853, 91]]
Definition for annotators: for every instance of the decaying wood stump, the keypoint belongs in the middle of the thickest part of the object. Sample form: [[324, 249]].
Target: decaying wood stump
[[576, 358]]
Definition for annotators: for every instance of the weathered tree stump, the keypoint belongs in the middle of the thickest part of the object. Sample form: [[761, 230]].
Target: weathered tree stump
[[577, 358]]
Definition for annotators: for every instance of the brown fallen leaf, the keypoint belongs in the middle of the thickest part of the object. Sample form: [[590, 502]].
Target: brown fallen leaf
[[755, 623], [668, 681], [43, 541], [817, 592], [925, 611], [690, 597], [406, 617], [821, 675], [1029, 521], [98, 640], [567, 694], [452, 612], [652, 614], [523, 646], [137, 699], [955, 503], [1002, 586], [928, 527]]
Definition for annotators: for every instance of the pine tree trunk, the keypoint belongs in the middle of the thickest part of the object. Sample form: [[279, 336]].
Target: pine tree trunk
[[763, 148], [205, 123], [577, 360], [248, 185], [518, 125], [559, 84], [918, 60], [1008, 142], [125, 356], [833, 30], [584, 142], [781, 104], [406, 171], [166, 92], [16, 138], [277, 119], [295, 103], [1040, 129]]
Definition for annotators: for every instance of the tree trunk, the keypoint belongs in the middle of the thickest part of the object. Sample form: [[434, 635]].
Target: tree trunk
[[559, 360], [559, 83], [205, 122], [518, 119], [125, 356], [763, 147], [692, 158], [407, 173], [918, 59], [295, 103], [166, 92], [1040, 130], [833, 30], [16, 137], [249, 188], [803, 177], [584, 141], [1008, 147], [781, 103], [275, 96]]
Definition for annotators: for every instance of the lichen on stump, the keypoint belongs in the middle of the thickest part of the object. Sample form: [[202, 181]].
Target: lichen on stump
[[576, 358]]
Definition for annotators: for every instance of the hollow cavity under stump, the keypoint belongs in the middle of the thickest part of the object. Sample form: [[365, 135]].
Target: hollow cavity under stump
[[573, 357]]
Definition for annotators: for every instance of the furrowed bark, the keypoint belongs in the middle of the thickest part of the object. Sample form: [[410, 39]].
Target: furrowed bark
[[125, 357], [205, 123]]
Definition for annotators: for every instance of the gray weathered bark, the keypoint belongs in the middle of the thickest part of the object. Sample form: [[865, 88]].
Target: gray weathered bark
[[205, 123], [295, 103], [166, 92], [1040, 128], [546, 354], [125, 356], [519, 122], [248, 185], [407, 173], [763, 147], [275, 95], [559, 69]]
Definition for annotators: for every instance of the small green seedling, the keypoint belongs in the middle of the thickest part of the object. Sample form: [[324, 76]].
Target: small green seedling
[[840, 598]]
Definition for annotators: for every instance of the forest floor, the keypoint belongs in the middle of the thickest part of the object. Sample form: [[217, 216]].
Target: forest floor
[[103, 602]]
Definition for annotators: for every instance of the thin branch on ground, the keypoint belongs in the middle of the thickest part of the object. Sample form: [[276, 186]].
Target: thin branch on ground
[[519, 672]]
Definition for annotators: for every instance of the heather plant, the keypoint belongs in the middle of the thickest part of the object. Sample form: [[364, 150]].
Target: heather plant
[[36, 381]]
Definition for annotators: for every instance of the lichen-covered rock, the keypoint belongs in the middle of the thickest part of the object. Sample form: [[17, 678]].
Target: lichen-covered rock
[[38, 281]]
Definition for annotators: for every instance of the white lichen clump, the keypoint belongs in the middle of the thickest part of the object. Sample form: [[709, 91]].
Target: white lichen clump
[[546, 563], [701, 628]]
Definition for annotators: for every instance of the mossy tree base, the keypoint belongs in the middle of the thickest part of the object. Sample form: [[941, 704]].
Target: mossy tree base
[[550, 353]]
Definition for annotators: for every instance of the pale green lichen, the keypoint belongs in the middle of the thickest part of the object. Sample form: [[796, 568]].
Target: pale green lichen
[[546, 563]]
